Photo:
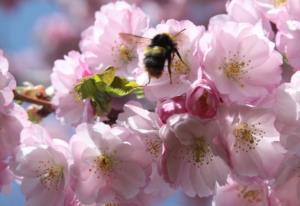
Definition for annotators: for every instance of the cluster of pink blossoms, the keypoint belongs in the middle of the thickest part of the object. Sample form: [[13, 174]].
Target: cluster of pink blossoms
[[227, 126]]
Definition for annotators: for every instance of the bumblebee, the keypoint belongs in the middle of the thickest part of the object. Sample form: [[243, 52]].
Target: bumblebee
[[162, 49]]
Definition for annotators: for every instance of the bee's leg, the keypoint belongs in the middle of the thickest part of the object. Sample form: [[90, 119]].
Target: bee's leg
[[179, 56], [149, 79], [169, 68]]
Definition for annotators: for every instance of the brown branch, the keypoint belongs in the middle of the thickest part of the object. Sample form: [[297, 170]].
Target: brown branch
[[46, 104]]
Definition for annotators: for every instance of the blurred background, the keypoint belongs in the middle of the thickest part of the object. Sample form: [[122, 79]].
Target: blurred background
[[34, 33]]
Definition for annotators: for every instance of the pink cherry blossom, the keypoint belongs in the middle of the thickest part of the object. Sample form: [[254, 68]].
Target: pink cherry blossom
[[286, 108], [286, 187], [293, 8], [285, 41], [13, 119], [147, 124], [169, 107], [66, 74], [184, 73], [7, 82], [274, 10], [287, 102], [279, 11], [156, 191], [189, 160], [33, 135], [253, 143], [44, 169], [220, 126], [242, 193], [243, 11], [241, 72], [6, 177], [107, 168], [202, 100], [102, 43]]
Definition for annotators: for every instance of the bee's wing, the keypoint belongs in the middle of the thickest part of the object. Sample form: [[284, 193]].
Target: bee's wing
[[135, 39]]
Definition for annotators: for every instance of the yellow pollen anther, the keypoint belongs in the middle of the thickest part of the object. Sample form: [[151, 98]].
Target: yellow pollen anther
[[244, 133], [233, 69], [125, 53], [154, 146], [111, 204], [200, 151], [247, 136], [104, 163], [179, 66], [50, 174], [251, 196], [279, 3]]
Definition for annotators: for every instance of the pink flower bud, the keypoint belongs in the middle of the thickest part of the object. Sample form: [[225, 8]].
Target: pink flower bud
[[202, 100], [170, 107]]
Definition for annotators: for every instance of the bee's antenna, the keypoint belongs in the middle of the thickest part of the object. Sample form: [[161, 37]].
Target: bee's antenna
[[179, 32]]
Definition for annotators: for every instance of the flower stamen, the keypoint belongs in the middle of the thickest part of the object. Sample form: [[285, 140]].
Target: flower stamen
[[111, 204], [50, 174], [279, 3], [247, 136], [234, 68], [125, 53], [179, 66], [251, 196], [153, 146], [104, 163], [200, 152]]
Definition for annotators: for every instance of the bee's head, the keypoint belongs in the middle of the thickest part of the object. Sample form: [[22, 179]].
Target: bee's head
[[163, 40]]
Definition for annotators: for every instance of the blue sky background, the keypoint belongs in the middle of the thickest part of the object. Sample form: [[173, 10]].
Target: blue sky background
[[16, 33]]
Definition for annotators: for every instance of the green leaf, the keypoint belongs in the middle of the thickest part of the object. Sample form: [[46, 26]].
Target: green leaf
[[90, 89], [102, 103], [107, 76], [100, 87], [139, 93], [121, 87]]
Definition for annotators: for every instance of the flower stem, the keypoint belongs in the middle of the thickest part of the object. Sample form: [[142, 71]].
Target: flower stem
[[24, 98]]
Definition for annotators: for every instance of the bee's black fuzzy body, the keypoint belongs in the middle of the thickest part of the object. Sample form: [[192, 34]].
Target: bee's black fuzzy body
[[161, 49]]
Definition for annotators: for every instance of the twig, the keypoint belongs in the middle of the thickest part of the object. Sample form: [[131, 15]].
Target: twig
[[46, 104]]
